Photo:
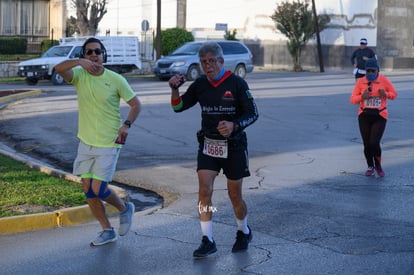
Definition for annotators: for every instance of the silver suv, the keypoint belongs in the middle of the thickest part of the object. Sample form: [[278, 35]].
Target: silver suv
[[184, 60]]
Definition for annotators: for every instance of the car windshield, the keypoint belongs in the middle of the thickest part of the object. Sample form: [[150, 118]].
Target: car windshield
[[187, 49], [57, 51]]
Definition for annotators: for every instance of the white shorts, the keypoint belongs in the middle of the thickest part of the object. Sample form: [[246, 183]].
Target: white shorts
[[97, 161]]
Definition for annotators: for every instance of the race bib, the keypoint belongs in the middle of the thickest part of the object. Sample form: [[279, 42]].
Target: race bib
[[373, 102], [215, 148]]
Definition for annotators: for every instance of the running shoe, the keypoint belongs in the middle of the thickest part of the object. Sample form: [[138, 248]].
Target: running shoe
[[206, 248], [242, 241], [370, 171], [125, 218], [380, 172], [104, 237]]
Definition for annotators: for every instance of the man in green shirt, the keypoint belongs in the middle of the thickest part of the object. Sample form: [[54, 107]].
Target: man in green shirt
[[101, 132]]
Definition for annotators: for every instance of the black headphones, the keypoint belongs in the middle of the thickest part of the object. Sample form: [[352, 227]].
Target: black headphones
[[94, 40]]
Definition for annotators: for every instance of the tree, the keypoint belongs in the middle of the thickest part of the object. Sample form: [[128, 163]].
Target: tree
[[88, 15], [71, 28], [172, 38], [230, 35], [296, 21]]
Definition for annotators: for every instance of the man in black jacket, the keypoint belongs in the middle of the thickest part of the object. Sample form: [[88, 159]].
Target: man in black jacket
[[359, 57], [227, 108]]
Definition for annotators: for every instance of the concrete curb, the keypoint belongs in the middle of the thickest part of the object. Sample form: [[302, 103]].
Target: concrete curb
[[59, 218], [20, 95]]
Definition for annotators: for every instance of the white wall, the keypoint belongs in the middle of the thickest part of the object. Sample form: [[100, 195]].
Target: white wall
[[125, 16], [350, 19]]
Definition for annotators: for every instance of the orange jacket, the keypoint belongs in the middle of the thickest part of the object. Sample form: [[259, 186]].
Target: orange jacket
[[381, 82]]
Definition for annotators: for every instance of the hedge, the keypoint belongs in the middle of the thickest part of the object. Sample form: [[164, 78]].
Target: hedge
[[13, 45], [47, 43]]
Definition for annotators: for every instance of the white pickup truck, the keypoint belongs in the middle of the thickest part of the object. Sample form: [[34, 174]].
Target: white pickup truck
[[123, 56]]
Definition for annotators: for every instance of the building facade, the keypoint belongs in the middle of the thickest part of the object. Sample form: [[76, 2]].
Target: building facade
[[35, 20], [387, 24]]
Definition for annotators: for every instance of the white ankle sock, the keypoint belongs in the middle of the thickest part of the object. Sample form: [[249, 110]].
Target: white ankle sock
[[242, 225], [207, 229]]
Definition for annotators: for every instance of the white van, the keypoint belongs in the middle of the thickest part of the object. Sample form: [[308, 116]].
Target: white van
[[123, 56]]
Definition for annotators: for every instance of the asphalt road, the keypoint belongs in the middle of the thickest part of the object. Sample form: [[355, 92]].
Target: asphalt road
[[311, 209]]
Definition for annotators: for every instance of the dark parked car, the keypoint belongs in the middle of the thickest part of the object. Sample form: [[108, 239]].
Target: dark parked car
[[184, 60]]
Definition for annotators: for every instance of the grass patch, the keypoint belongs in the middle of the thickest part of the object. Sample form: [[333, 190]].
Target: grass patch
[[27, 191], [11, 79]]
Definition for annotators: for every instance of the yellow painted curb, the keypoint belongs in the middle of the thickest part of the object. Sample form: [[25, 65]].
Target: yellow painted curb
[[27, 223], [20, 95], [59, 218]]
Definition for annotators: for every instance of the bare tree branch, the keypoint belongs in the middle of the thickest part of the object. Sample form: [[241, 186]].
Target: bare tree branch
[[88, 15]]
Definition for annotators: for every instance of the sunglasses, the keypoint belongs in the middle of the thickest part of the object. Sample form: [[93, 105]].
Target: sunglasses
[[371, 71], [90, 51]]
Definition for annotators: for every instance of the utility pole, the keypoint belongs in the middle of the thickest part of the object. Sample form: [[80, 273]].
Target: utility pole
[[158, 38], [318, 38]]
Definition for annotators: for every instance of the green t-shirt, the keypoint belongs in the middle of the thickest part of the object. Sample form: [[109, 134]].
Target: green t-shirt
[[99, 106]]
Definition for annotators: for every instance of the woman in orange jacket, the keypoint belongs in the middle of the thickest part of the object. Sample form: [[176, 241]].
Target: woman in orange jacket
[[371, 93]]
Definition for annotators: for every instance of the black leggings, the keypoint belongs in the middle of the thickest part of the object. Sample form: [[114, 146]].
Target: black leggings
[[372, 128]]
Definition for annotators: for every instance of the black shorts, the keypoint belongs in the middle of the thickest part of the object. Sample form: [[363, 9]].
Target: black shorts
[[235, 166]]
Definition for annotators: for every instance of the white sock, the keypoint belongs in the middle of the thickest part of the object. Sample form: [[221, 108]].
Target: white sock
[[242, 225], [207, 229]]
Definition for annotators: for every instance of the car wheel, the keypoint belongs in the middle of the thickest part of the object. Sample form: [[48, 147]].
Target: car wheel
[[57, 79], [193, 72], [240, 70], [31, 81]]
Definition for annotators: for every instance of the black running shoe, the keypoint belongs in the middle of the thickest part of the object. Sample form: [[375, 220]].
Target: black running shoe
[[242, 241], [206, 248]]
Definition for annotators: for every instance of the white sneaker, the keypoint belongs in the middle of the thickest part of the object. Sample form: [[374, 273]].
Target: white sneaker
[[125, 218], [104, 237]]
